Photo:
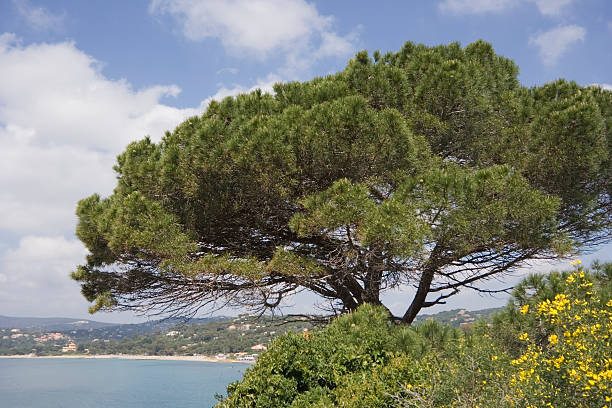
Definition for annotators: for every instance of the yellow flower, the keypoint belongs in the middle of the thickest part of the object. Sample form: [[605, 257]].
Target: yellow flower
[[524, 309], [553, 339], [524, 337]]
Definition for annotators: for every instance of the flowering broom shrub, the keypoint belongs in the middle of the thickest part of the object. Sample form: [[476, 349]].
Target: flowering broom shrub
[[572, 365]]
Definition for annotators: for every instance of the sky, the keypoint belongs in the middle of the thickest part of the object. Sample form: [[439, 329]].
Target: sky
[[80, 80]]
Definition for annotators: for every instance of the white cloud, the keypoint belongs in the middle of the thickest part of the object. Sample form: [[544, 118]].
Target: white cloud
[[61, 125], [51, 253], [60, 93], [35, 279], [39, 18], [607, 87], [260, 28], [229, 70], [476, 6], [266, 85], [8, 40], [41, 184], [332, 45], [554, 43], [552, 7], [38, 270], [546, 7]]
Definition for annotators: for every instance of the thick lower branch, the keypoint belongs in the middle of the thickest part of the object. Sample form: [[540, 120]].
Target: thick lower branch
[[419, 298]]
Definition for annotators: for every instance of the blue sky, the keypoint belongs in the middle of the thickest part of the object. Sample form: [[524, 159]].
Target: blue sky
[[79, 80]]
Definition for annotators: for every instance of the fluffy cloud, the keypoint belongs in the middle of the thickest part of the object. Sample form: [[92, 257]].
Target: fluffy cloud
[[334, 45], [42, 182], [37, 270], [265, 85], [552, 7], [261, 27], [61, 125], [554, 43], [38, 261], [35, 279], [607, 87], [546, 7], [39, 18], [476, 6], [60, 93]]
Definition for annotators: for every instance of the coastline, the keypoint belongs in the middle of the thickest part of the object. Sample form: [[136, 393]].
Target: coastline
[[205, 359]]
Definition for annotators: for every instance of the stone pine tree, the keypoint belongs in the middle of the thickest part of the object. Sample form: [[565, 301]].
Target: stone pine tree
[[429, 170]]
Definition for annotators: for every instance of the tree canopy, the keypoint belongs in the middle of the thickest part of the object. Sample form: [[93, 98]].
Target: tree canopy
[[430, 168]]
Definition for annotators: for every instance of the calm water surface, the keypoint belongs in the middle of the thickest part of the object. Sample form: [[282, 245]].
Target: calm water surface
[[89, 383]]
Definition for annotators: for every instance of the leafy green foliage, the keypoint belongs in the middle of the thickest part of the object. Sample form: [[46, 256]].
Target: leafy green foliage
[[363, 360], [317, 364]]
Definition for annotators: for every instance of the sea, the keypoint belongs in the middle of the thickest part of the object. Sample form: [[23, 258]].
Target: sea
[[113, 383]]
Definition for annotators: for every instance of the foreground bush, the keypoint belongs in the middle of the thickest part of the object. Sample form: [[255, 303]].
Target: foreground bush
[[316, 369], [550, 348], [362, 359]]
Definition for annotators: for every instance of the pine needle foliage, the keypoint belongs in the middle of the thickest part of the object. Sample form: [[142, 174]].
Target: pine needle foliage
[[430, 167]]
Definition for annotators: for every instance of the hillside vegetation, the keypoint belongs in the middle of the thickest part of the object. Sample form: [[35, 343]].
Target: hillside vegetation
[[164, 338]]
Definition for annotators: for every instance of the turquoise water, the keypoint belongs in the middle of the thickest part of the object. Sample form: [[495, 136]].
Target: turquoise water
[[88, 383]]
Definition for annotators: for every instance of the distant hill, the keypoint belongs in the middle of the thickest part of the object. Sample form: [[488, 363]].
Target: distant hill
[[113, 330], [83, 328], [456, 317], [84, 325], [127, 330], [58, 323]]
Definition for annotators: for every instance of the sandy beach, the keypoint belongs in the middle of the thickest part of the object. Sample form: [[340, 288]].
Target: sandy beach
[[206, 359]]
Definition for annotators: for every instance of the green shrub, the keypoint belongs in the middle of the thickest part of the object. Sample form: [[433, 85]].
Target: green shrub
[[550, 348], [316, 368], [363, 359]]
